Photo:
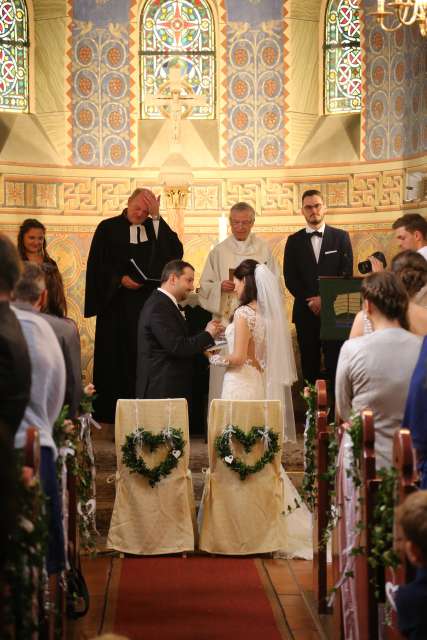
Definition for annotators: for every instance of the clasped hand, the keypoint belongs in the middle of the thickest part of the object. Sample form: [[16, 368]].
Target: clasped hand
[[314, 304]]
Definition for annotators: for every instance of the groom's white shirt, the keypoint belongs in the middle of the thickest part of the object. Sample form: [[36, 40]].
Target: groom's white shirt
[[169, 295]]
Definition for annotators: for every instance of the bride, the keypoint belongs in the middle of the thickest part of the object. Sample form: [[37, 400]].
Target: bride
[[260, 366]]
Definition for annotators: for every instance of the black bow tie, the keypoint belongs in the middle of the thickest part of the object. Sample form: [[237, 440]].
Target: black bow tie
[[319, 234]]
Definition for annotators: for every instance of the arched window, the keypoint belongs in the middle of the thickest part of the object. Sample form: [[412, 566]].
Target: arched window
[[342, 57], [13, 55], [177, 32]]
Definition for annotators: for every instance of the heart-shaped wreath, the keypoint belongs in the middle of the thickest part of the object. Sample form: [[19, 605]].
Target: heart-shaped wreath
[[223, 448], [171, 437]]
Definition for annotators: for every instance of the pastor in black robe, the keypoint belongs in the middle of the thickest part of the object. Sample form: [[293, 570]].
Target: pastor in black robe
[[117, 308]]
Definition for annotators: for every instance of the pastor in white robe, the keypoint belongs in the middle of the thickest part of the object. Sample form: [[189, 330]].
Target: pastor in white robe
[[225, 256]]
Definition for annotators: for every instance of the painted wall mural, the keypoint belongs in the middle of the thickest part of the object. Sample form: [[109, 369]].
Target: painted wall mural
[[255, 82], [100, 83], [396, 91]]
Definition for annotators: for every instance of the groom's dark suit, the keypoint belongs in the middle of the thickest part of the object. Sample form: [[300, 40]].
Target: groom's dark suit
[[166, 350], [301, 272]]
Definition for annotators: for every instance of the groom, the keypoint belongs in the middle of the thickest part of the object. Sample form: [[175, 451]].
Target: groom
[[165, 348]]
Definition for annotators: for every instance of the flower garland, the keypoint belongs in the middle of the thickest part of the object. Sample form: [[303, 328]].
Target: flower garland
[[223, 448], [382, 555], [139, 438], [24, 573], [332, 516], [309, 483], [75, 454], [355, 431]]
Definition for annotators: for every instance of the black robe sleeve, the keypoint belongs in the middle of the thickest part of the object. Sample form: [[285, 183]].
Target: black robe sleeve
[[102, 276]]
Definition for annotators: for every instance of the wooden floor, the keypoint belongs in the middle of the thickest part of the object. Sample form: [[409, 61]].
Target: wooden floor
[[289, 583]]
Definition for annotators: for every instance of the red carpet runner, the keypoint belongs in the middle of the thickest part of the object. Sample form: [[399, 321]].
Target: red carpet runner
[[193, 599]]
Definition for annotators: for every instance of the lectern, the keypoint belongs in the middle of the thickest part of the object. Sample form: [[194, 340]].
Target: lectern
[[341, 301]]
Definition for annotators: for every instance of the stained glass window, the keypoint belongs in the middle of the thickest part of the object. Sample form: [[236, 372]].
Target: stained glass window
[[342, 57], [178, 33], [13, 56]]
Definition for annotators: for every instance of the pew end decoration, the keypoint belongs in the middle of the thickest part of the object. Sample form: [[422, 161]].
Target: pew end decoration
[[170, 437], [77, 472], [256, 434], [25, 603]]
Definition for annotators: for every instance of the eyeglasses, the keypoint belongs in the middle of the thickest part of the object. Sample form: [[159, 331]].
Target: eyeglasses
[[308, 207], [241, 223]]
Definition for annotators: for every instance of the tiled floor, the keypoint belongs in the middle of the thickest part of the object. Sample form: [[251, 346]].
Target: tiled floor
[[290, 582]]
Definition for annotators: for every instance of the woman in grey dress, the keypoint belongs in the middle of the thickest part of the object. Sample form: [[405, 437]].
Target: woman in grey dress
[[374, 370]]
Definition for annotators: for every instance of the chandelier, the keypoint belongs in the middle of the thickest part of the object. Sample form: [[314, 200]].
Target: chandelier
[[393, 14]]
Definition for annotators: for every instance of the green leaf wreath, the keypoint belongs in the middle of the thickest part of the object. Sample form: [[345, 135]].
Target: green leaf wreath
[[224, 451], [171, 437]]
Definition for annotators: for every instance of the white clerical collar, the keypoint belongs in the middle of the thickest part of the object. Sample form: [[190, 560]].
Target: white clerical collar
[[320, 229], [169, 295], [133, 231]]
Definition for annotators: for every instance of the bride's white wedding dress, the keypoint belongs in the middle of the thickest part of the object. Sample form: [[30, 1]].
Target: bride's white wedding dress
[[247, 382]]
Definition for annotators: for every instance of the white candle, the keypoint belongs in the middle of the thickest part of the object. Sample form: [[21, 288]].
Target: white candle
[[222, 228]]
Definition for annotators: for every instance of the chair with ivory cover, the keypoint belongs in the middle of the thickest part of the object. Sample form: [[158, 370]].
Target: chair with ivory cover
[[240, 517], [160, 519]]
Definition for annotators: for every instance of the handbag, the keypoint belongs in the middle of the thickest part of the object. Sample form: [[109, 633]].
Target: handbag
[[77, 599]]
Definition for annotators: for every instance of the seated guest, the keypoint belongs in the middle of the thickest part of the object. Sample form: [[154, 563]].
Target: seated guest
[[411, 269], [30, 294], [374, 370], [55, 303], [415, 417], [15, 366], [411, 598], [46, 400]]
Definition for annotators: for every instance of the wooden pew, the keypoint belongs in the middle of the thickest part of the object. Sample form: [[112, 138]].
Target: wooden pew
[[320, 514], [365, 574], [404, 462], [359, 589]]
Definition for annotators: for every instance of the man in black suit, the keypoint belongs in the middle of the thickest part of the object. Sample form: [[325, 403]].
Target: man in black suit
[[317, 250], [15, 365], [165, 348]]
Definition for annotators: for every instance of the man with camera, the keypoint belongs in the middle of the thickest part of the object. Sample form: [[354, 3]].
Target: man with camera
[[317, 250], [411, 233]]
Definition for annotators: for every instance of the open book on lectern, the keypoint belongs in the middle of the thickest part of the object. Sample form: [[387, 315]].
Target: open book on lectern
[[137, 274]]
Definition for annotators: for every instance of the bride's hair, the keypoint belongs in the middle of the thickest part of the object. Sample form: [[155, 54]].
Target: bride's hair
[[246, 271]]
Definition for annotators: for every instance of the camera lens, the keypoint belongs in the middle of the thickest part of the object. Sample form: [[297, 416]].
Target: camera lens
[[365, 267]]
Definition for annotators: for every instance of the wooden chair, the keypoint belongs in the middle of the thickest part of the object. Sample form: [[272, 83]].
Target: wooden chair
[[404, 462], [320, 514]]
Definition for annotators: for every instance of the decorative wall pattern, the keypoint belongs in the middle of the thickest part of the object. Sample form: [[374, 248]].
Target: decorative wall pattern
[[100, 72], [255, 81], [396, 91], [359, 191]]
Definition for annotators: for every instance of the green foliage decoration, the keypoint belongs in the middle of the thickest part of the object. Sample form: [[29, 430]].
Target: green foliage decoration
[[247, 440], [309, 481], [171, 437], [25, 573]]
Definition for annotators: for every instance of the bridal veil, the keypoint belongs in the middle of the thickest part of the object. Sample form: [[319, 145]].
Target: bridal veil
[[275, 353]]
